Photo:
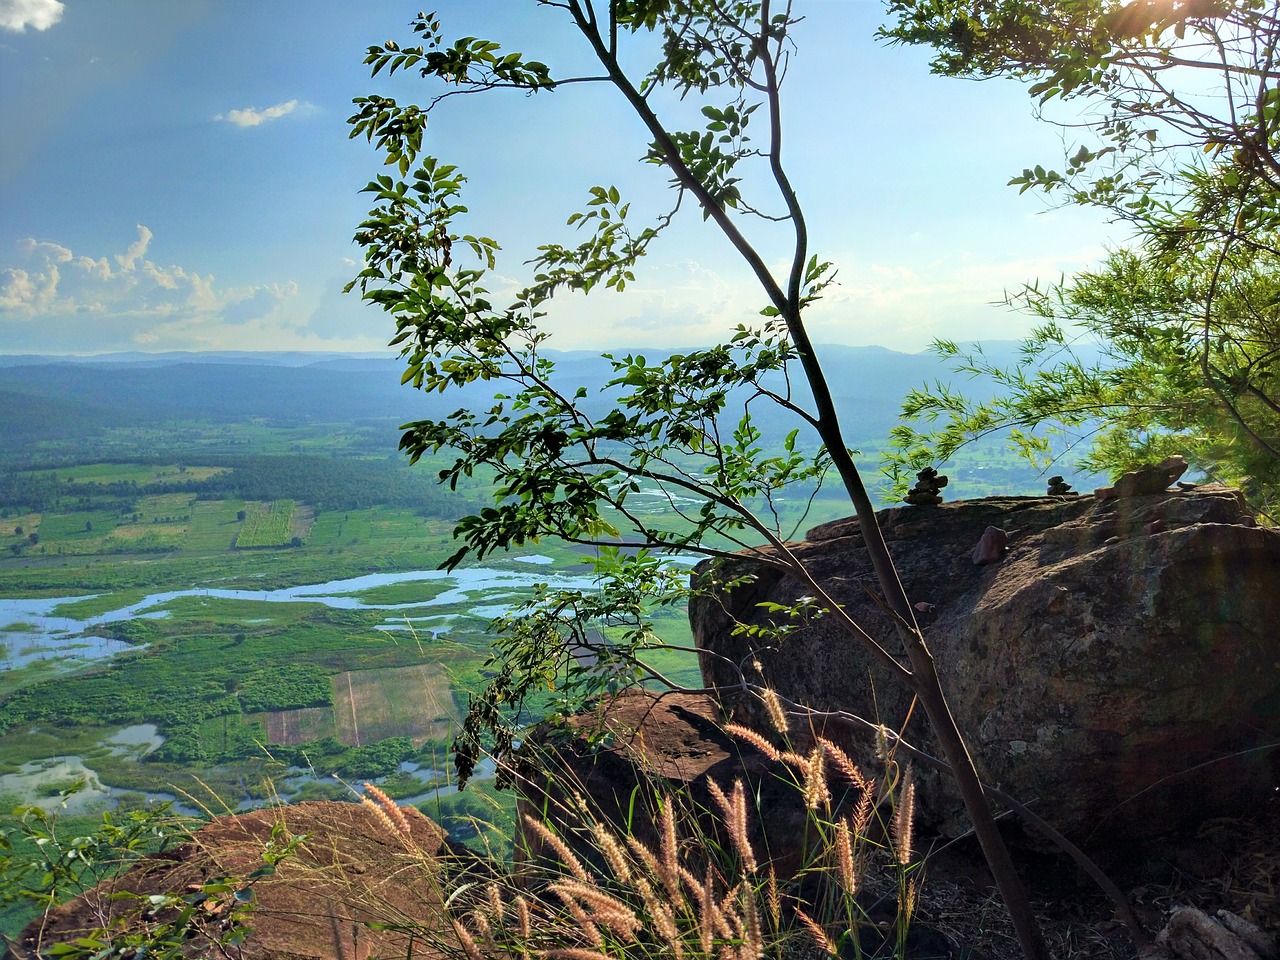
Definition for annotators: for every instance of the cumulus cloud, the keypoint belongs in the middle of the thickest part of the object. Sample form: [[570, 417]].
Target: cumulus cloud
[[17, 15], [252, 117], [54, 298], [344, 316]]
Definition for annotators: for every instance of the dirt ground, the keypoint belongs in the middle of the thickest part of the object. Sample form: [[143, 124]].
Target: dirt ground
[[1227, 864]]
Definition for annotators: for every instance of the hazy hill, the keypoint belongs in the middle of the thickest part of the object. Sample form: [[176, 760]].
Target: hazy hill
[[63, 397]]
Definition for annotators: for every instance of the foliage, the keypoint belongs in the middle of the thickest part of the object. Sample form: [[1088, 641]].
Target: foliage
[[46, 860], [684, 428], [268, 526], [1182, 103], [284, 686], [560, 472], [328, 483], [1152, 391], [1155, 78], [328, 756]]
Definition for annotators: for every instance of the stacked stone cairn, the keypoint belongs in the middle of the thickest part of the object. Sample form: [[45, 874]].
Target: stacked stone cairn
[[1060, 488], [925, 492]]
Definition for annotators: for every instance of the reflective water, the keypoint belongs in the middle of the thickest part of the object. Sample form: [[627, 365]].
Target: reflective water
[[33, 630]]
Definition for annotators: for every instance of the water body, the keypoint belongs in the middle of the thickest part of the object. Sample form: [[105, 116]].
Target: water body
[[66, 782], [32, 630]]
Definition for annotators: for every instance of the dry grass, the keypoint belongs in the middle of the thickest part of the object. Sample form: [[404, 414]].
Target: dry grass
[[587, 889]]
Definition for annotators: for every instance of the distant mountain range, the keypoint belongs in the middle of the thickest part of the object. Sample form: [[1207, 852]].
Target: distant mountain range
[[60, 397], [72, 402]]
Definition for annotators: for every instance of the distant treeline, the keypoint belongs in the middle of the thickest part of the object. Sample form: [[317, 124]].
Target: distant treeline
[[327, 483]]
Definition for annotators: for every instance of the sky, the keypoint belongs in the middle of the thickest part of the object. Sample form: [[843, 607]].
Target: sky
[[178, 176]]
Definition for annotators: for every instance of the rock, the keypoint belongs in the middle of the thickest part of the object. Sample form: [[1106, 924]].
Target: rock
[[990, 547], [1146, 481], [349, 871], [670, 745], [1060, 488], [1192, 934], [1110, 678]]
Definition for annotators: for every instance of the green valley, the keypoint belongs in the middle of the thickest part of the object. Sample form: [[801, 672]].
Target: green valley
[[231, 604]]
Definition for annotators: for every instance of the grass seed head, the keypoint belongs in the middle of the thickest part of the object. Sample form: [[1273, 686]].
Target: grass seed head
[[756, 740], [777, 715], [846, 867], [903, 815], [816, 931], [567, 856], [816, 792]]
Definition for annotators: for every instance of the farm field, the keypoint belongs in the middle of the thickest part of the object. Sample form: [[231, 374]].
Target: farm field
[[415, 702], [208, 666]]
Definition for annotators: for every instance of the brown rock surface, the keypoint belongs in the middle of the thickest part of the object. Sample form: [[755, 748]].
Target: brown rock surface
[[350, 870], [1113, 678], [1146, 481], [669, 745]]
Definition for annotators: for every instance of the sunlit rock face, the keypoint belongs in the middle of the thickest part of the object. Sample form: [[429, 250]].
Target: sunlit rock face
[[1117, 665], [355, 885]]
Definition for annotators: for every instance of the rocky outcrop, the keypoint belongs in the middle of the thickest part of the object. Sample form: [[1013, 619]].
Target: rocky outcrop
[[351, 875], [1115, 662]]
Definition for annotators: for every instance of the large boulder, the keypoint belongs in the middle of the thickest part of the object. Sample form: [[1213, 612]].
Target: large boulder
[[356, 885], [1113, 662]]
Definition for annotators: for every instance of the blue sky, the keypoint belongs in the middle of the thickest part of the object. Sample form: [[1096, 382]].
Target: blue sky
[[177, 176]]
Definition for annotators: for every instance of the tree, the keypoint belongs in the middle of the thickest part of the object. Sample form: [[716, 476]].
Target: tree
[[1183, 118], [1153, 389], [1179, 99], [683, 427]]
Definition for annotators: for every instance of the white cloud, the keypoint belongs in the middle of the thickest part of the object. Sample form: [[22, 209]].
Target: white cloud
[[17, 15], [252, 117], [136, 249], [53, 298]]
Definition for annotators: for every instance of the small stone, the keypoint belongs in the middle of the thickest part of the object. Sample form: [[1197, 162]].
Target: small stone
[[991, 547], [1247, 521], [1155, 526], [921, 498], [1110, 540]]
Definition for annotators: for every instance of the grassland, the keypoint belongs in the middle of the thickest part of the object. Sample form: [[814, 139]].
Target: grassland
[[266, 525], [141, 474]]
